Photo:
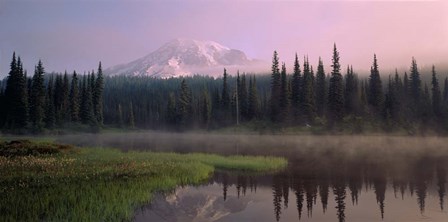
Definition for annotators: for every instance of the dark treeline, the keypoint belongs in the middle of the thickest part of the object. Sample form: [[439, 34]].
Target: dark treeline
[[311, 98], [32, 104]]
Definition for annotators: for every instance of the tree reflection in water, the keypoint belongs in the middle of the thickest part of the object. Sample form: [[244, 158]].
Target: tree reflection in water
[[310, 180]]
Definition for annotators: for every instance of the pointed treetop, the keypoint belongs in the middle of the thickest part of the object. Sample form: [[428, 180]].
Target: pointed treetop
[[336, 66]]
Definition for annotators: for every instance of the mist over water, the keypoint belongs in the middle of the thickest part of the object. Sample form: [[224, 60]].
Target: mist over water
[[279, 145], [329, 178]]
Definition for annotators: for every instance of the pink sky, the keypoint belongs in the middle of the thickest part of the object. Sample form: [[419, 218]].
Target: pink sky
[[77, 34]]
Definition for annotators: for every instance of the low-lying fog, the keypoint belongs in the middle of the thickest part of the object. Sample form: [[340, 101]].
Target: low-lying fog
[[279, 145]]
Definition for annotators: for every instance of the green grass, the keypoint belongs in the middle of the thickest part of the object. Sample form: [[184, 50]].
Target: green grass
[[96, 184]]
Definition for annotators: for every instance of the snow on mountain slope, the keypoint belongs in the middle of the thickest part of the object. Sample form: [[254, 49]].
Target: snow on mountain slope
[[183, 57]]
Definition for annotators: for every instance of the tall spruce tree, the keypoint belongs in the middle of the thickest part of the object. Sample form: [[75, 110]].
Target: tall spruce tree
[[275, 89], [375, 88], [16, 96], [58, 100], [296, 83], [335, 92], [26, 82], [74, 98], [436, 95], [308, 99], [243, 98], [399, 99], [321, 89], [307, 94], [415, 84], [284, 95], [37, 105], [98, 96], [225, 95]]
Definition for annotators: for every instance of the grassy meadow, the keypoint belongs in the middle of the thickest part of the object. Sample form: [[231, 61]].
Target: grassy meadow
[[46, 181]]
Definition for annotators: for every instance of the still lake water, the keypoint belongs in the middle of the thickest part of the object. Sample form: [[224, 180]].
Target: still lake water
[[329, 178]]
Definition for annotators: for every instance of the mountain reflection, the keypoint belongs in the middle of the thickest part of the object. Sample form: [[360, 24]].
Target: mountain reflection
[[312, 181]]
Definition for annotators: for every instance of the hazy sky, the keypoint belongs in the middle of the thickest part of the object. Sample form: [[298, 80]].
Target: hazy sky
[[77, 34]]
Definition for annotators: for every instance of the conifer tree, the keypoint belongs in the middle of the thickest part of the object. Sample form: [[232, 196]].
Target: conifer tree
[[37, 106], [26, 82], [243, 100], [74, 98], [308, 99], [321, 89], [284, 94], [436, 95], [335, 92], [225, 96], [58, 100], [296, 90], [275, 88], [98, 96], [399, 98], [16, 96], [376, 89], [415, 84]]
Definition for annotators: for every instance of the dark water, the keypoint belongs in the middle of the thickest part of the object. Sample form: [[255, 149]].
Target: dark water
[[329, 178]]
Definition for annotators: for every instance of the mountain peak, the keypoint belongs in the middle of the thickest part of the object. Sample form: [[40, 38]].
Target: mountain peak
[[183, 57]]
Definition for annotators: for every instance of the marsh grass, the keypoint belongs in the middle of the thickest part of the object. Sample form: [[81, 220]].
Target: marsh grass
[[97, 184]]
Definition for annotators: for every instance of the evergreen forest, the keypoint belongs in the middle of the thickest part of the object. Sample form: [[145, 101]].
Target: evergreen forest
[[301, 98]]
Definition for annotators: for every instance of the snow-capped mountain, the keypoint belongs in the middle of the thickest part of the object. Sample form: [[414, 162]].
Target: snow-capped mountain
[[183, 57]]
